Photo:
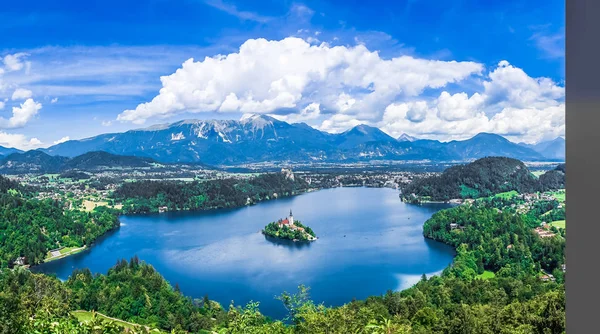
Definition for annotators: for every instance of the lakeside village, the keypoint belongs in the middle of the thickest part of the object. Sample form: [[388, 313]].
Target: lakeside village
[[91, 189], [523, 204], [289, 229]]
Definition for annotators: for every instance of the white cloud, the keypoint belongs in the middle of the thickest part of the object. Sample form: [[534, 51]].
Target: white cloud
[[530, 124], [511, 86], [106, 123], [19, 141], [458, 106], [344, 102], [14, 62], [232, 10], [311, 112], [111, 73], [552, 44], [62, 140], [22, 114], [2, 105], [21, 94], [511, 104], [54, 100], [340, 123], [265, 76]]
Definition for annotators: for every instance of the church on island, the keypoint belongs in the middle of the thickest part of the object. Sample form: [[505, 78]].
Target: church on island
[[289, 222], [288, 228]]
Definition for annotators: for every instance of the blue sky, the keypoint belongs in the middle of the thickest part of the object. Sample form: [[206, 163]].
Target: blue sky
[[83, 64]]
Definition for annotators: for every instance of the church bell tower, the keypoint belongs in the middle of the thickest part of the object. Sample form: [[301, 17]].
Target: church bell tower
[[291, 218]]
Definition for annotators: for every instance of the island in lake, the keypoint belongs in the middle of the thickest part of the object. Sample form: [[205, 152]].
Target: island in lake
[[289, 229]]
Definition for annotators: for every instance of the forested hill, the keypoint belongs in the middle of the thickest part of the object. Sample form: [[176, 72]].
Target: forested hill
[[553, 179], [147, 196], [483, 177], [7, 184], [29, 227], [40, 162]]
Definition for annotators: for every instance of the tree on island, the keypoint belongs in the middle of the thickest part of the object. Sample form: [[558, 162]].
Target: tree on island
[[295, 232]]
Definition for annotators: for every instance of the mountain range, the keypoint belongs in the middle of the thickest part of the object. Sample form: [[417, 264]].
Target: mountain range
[[4, 151], [552, 149], [260, 138], [40, 162]]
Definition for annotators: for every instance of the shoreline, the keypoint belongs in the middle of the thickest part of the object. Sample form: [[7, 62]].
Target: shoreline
[[292, 240], [62, 256], [294, 243], [309, 190]]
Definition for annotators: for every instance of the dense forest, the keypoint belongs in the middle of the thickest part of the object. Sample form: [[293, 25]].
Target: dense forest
[[134, 291], [148, 196], [553, 179], [29, 227], [496, 241], [481, 178]]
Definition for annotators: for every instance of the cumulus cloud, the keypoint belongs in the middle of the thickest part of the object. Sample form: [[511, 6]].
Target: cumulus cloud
[[19, 141], [21, 94], [21, 114], [54, 100], [340, 123], [337, 87], [511, 104], [311, 112], [62, 140], [15, 62], [511, 86], [458, 106], [265, 76]]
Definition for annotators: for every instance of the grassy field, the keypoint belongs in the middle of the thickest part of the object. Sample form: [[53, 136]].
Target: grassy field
[[85, 316], [486, 275], [559, 195], [508, 194], [91, 205], [559, 223], [64, 252]]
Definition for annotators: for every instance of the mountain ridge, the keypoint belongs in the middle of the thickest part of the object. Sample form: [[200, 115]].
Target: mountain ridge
[[36, 161], [259, 138], [4, 151], [554, 148]]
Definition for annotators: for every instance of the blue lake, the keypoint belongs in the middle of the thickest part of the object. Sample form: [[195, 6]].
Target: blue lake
[[369, 242]]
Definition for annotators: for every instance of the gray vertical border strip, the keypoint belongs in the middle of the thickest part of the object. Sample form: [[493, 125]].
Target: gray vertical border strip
[[582, 164]]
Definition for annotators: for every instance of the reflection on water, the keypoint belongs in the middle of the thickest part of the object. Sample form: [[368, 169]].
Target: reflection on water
[[369, 242], [288, 243]]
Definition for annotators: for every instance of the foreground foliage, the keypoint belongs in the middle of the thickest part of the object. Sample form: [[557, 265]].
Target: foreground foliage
[[460, 300]]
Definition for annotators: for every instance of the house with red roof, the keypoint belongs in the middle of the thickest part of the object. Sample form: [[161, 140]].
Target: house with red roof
[[289, 222]]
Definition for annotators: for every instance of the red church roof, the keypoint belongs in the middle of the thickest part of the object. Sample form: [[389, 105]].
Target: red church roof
[[285, 222]]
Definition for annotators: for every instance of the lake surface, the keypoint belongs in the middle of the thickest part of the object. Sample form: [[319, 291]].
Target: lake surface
[[369, 242]]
